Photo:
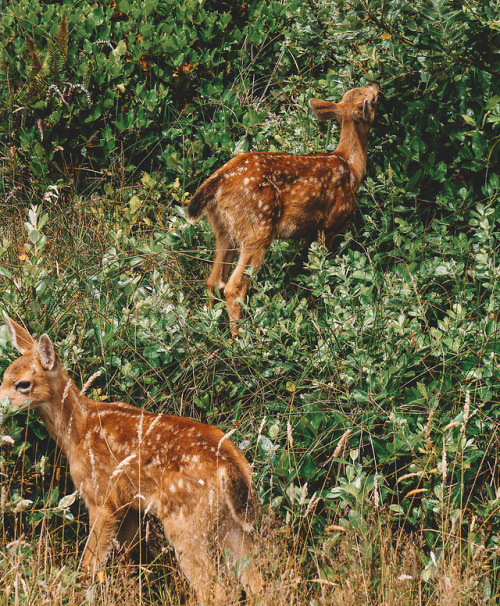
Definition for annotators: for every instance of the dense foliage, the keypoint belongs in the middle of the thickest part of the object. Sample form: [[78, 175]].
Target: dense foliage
[[362, 380]]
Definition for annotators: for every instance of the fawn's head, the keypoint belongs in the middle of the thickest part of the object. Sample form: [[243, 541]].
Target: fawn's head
[[32, 376], [358, 104]]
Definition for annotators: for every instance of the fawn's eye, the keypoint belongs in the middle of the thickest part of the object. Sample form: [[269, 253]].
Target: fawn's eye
[[23, 386]]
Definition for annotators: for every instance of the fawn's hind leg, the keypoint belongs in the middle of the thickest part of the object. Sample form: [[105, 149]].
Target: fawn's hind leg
[[224, 255], [239, 544], [191, 546], [237, 284]]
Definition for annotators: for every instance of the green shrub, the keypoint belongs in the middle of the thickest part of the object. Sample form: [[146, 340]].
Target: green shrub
[[114, 89]]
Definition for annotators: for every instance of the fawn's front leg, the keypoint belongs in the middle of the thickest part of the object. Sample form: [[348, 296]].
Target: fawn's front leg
[[103, 524]]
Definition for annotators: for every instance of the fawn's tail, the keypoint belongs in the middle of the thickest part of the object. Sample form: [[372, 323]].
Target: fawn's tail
[[205, 194], [239, 497]]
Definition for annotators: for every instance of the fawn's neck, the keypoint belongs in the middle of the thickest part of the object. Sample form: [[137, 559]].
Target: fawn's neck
[[353, 147], [65, 415]]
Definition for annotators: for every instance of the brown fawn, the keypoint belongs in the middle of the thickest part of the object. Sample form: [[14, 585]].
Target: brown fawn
[[258, 197], [125, 461]]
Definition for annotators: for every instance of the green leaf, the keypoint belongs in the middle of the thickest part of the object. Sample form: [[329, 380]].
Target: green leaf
[[397, 509], [67, 501], [135, 204], [34, 235], [493, 102], [469, 120]]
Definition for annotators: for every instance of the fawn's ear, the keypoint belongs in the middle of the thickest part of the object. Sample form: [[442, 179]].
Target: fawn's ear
[[367, 110], [325, 110], [20, 337], [47, 352], [364, 113]]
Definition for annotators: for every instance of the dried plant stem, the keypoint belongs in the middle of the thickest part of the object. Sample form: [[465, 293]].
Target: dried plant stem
[[90, 381]]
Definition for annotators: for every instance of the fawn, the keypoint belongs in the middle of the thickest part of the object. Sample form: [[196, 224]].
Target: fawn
[[258, 197], [125, 461]]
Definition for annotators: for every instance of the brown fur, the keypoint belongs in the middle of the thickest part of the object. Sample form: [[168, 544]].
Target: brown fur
[[124, 459], [258, 197]]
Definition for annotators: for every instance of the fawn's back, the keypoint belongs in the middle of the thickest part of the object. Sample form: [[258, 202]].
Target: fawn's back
[[280, 196]]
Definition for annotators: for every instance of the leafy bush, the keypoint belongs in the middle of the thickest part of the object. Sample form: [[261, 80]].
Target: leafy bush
[[122, 87]]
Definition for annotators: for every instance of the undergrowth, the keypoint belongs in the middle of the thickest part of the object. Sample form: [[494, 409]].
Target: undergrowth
[[372, 448]]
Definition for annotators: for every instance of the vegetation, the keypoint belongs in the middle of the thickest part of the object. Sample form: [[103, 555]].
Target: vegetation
[[365, 384]]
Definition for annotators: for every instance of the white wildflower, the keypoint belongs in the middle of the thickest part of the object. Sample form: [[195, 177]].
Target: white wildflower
[[225, 437], [466, 409], [289, 433], [22, 504], [121, 466]]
